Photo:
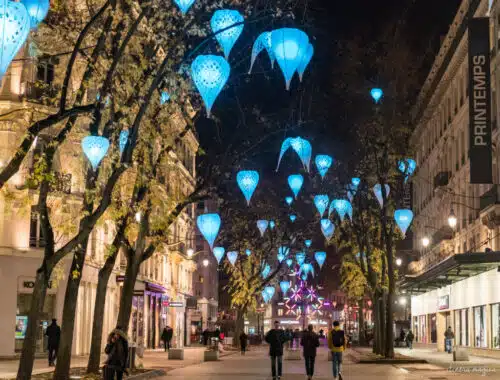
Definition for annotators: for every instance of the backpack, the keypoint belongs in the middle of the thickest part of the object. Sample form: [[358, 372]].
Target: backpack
[[338, 338]]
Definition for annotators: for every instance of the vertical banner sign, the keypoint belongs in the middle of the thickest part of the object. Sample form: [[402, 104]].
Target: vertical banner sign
[[481, 166]]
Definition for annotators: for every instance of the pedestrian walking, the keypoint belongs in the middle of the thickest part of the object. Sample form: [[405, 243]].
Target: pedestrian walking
[[206, 336], [448, 339], [243, 342], [337, 343], [169, 334], [117, 350], [402, 336], [276, 338], [409, 339], [310, 342], [163, 338], [53, 332]]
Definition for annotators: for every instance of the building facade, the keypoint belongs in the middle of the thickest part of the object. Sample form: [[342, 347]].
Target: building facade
[[456, 227]]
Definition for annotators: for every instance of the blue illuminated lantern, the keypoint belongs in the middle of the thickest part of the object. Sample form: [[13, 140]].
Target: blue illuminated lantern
[[300, 258], [164, 97], [184, 5], [301, 146], [349, 210], [122, 140], [284, 285], [321, 202], [308, 243], [305, 61], [232, 256], [261, 43], [327, 228], [323, 163], [223, 19], [289, 47], [320, 258], [293, 217], [353, 187], [270, 291], [266, 271], [95, 148], [262, 226], [248, 252], [247, 181], [377, 190], [341, 206], [37, 9], [280, 256], [209, 225], [272, 224], [376, 94], [210, 74], [407, 167], [265, 296], [289, 200], [304, 277], [403, 218], [306, 269], [219, 253], [283, 253], [289, 262], [295, 181], [14, 29]]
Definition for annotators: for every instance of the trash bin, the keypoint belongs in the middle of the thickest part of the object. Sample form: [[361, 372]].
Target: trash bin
[[131, 357]]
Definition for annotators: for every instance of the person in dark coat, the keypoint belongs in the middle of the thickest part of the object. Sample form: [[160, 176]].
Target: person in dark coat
[[164, 335], [243, 342], [206, 336], [276, 338], [53, 333], [310, 342], [117, 350], [169, 333]]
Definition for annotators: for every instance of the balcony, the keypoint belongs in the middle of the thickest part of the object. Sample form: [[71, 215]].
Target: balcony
[[40, 92], [442, 179], [489, 208]]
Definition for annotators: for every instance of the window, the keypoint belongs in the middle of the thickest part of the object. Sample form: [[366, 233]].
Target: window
[[45, 72], [479, 327], [495, 326], [36, 235], [280, 312], [462, 327]]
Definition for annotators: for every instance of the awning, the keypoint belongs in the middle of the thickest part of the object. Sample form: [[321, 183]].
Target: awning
[[453, 269]]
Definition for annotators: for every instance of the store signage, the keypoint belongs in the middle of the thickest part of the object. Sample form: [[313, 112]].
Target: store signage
[[444, 302], [480, 151], [191, 303], [31, 284], [288, 322], [21, 325], [175, 304]]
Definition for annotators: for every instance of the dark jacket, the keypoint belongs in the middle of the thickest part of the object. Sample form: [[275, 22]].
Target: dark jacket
[[243, 339], [169, 334], [117, 352], [54, 334], [410, 336], [310, 341], [276, 338]]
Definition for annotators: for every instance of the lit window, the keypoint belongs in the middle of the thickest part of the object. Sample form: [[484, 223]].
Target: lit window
[[280, 312]]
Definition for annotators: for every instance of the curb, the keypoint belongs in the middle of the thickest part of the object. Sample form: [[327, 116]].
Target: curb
[[148, 375]]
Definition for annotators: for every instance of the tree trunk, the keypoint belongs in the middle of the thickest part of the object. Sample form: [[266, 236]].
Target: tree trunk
[[376, 326], [131, 274], [68, 321], [37, 302], [389, 329], [97, 324], [383, 326], [240, 325], [361, 324]]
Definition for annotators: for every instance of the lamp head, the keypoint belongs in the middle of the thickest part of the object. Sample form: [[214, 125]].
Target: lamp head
[[452, 219]]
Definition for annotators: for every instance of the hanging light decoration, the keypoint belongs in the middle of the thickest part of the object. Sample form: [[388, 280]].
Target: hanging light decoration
[[95, 148], [403, 218], [219, 253], [289, 262], [248, 252], [305, 61], [349, 210], [407, 167], [295, 181], [262, 226], [14, 29], [282, 253], [266, 271], [377, 190], [37, 9], [209, 225], [210, 73], [306, 269], [284, 285], [341, 206], [353, 187], [164, 97], [247, 181], [265, 296], [301, 146], [320, 258], [289, 200], [376, 94], [323, 163], [289, 47], [280, 256], [261, 43], [321, 202], [293, 217], [184, 5], [232, 256], [122, 140], [300, 258], [327, 228], [308, 243], [272, 224], [223, 19], [270, 291]]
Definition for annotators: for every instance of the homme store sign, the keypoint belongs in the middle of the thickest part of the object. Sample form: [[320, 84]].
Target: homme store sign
[[480, 151]]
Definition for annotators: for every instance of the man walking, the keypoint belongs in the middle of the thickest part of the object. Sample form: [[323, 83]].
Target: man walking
[[53, 332], [168, 336], [310, 342], [448, 339], [337, 344], [276, 338]]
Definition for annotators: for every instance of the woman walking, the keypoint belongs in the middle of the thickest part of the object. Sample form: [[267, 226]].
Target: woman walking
[[310, 342]]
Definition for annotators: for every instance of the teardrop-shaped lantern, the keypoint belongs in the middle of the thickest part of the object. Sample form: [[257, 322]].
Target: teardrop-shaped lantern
[[377, 190], [164, 97], [248, 252], [37, 9], [261, 43], [323, 163], [95, 148], [219, 253], [122, 140], [209, 225], [289, 262], [262, 226], [293, 217], [247, 181], [295, 181], [282, 253], [289, 200], [265, 296], [305, 61], [265, 272], [300, 258], [232, 256], [403, 218], [407, 167], [327, 228], [341, 206], [321, 202], [14, 29], [184, 5], [320, 258], [376, 94], [289, 47], [222, 20], [308, 243], [303, 149], [307, 269], [353, 187], [284, 285], [270, 291], [210, 73], [272, 224]]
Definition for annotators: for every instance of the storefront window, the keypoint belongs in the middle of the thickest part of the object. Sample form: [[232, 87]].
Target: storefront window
[[479, 327], [423, 329], [464, 327], [495, 326], [433, 328]]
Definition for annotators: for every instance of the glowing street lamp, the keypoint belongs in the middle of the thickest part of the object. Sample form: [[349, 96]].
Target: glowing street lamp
[[190, 252], [399, 262], [425, 241], [452, 219], [205, 262]]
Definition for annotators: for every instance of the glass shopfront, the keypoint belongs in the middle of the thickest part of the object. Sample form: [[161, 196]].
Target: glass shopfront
[[480, 327], [495, 326], [462, 327]]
